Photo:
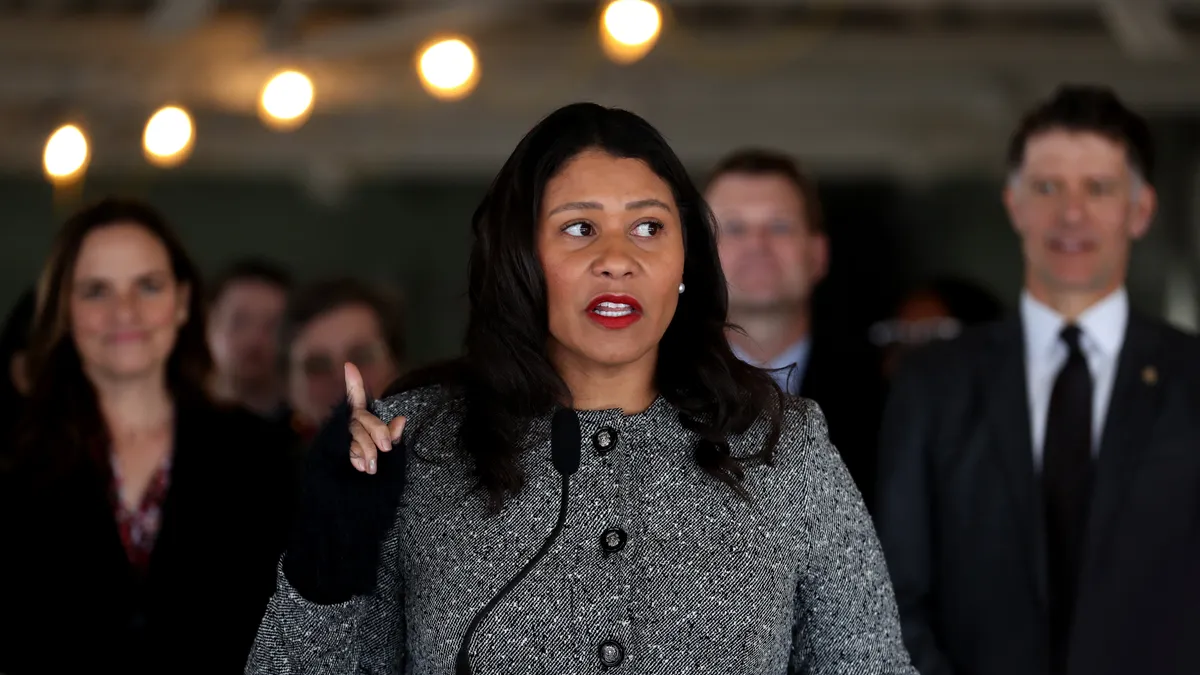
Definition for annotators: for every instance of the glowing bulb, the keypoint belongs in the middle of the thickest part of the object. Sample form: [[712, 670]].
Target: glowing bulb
[[448, 69], [168, 136], [632, 22], [66, 153], [287, 99]]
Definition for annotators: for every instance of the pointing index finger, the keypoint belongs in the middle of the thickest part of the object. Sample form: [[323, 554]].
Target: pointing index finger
[[356, 393]]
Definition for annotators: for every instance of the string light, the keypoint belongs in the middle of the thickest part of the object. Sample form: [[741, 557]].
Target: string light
[[448, 69], [629, 29], [287, 100], [168, 138], [66, 155]]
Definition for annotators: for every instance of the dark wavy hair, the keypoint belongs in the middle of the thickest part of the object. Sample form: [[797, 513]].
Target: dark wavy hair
[[505, 375], [64, 414]]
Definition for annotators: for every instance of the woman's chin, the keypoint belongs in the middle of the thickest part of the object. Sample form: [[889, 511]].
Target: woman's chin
[[129, 367], [615, 356]]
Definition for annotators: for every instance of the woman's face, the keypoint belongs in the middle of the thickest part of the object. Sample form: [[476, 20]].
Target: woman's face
[[610, 242], [126, 306]]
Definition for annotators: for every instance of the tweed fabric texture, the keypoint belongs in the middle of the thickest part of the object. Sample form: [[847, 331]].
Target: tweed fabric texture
[[793, 581]]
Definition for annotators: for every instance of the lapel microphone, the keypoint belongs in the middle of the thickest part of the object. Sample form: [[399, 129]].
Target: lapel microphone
[[565, 454]]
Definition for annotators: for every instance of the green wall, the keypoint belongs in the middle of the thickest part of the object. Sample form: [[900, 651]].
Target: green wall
[[416, 234]]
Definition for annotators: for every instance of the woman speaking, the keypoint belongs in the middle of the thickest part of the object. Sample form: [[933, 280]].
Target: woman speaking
[[597, 483]]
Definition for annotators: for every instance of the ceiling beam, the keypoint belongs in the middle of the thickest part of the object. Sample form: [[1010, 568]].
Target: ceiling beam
[[1144, 28], [118, 38], [169, 19], [284, 23], [985, 5], [404, 29], [861, 99]]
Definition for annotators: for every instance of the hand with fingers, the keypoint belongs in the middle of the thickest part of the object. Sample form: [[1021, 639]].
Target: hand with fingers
[[369, 433]]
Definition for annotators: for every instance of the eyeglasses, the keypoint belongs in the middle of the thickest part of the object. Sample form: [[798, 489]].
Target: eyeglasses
[[327, 365]]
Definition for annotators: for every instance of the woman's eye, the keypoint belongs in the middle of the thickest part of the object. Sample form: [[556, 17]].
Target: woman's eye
[[579, 229], [91, 291], [647, 229], [151, 285]]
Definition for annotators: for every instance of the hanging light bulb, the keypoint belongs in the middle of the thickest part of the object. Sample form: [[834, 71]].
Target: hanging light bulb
[[66, 155], [629, 29], [286, 100], [168, 138], [448, 69]]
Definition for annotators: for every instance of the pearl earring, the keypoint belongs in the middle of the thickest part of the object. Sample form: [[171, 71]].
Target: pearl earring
[[681, 287]]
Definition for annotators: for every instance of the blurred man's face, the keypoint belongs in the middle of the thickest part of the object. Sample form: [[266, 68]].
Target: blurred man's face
[[771, 256], [1077, 206], [320, 350], [243, 332]]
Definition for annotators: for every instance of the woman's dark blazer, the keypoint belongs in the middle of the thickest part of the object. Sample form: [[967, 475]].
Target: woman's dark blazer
[[69, 599]]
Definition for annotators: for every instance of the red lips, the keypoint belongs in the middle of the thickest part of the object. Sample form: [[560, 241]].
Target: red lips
[[615, 299], [614, 311]]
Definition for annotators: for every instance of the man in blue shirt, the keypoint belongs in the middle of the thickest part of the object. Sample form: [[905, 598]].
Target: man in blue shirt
[[774, 251]]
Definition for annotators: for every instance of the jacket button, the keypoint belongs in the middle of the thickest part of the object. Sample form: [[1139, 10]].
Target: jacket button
[[605, 440], [611, 653], [613, 540]]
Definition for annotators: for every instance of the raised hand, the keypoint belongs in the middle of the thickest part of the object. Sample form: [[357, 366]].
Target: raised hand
[[370, 435]]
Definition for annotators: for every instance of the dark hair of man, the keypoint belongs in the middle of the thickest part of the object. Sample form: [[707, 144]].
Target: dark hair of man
[[324, 296], [761, 162], [1087, 109], [257, 270]]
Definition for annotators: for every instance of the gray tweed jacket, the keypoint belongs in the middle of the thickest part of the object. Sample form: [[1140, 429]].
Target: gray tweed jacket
[[660, 569]]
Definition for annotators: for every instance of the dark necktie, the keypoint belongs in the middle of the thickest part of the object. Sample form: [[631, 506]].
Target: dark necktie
[[1066, 484]]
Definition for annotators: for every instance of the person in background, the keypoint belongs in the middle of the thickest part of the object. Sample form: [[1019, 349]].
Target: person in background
[[1038, 476], [245, 315], [775, 251], [330, 323], [14, 348], [938, 310], [148, 518]]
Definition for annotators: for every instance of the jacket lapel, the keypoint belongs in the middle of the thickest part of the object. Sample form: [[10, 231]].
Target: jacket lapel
[[1131, 413], [190, 428], [1007, 405]]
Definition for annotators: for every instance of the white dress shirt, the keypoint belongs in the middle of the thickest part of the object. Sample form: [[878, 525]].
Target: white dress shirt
[[1102, 329]]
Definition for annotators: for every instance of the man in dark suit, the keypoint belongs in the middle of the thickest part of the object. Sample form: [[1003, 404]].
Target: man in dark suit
[[1039, 496], [774, 251]]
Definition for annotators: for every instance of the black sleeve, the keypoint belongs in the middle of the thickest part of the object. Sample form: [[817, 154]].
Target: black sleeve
[[341, 518]]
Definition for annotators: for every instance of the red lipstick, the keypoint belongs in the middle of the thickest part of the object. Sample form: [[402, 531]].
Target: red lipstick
[[614, 311]]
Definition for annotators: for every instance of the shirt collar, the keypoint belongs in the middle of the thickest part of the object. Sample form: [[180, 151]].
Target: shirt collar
[[797, 353], [1103, 324]]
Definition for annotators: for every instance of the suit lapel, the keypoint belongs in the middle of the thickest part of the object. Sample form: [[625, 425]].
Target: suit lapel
[[1131, 413], [93, 492], [1007, 405]]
